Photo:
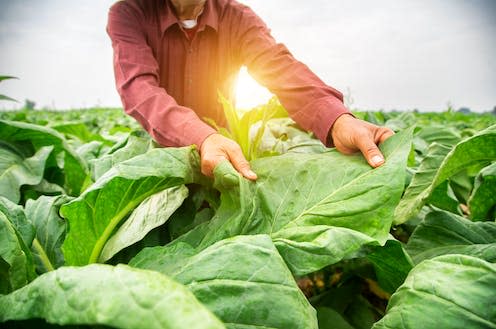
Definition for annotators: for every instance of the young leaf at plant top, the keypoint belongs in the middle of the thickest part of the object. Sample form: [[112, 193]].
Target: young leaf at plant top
[[243, 280], [50, 231], [482, 201], [240, 128], [119, 297], [448, 292], [442, 233], [440, 165], [318, 208], [95, 214]]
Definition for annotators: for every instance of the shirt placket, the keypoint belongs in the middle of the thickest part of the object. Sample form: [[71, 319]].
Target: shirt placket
[[189, 71]]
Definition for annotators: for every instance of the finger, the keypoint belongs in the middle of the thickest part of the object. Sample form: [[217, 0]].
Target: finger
[[241, 164], [384, 133], [371, 152]]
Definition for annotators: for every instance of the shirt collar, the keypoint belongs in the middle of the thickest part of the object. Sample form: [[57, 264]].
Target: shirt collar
[[209, 17]]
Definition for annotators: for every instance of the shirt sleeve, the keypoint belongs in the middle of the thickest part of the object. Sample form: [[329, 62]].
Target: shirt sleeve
[[308, 100], [137, 75]]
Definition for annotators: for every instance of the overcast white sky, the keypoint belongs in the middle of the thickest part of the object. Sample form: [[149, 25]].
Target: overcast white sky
[[390, 54]]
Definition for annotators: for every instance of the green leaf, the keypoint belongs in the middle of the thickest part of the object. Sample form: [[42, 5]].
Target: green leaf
[[50, 231], [7, 98], [74, 168], [443, 233], [392, 264], [440, 134], [130, 147], [439, 165], [7, 77], [95, 214], [91, 150], [193, 211], [16, 263], [16, 171], [243, 129], [151, 213], [81, 132], [331, 319], [444, 198], [318, 208], [17, 217], [120, 297], [243, 280], [482, 201], [449, 292]]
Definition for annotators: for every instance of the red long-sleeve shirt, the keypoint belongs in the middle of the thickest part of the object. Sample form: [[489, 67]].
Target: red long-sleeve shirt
[[168, 83]]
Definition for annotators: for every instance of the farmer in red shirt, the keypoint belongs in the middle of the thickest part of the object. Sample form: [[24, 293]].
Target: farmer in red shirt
[[172, 57]]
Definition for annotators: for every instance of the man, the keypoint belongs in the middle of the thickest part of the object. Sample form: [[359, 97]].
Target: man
[[172, 57]]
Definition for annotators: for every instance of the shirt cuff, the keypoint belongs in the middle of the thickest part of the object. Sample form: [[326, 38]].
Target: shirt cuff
[[328, 109], [199, 132]]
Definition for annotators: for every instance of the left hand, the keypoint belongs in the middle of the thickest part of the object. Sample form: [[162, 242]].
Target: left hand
[[351, 135]]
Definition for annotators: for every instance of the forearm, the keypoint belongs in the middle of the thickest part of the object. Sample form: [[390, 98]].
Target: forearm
[[167, 122]]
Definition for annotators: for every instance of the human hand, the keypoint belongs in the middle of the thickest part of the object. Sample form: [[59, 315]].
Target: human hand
[[217, 148], [351, 135]]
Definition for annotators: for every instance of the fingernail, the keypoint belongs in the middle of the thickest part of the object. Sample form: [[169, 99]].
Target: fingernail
[[377, 160], [251, 174]]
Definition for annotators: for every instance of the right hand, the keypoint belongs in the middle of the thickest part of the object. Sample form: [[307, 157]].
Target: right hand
[[217, 148]]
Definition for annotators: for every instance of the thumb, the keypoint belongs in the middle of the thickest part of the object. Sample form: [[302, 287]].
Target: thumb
[[371, 152]]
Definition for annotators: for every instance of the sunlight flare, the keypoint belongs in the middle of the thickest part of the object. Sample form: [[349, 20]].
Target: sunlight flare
[[250, 93]]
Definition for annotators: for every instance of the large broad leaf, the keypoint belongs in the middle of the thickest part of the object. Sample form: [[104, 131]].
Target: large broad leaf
[[443, 233], [151, 213], [75, 169], [449, 292], [482, 202], [15, 171], [16, 263], [318, 208], [441, 134], [120, 297], [50, 231], [439, 165], [95, 214], [243, 280]]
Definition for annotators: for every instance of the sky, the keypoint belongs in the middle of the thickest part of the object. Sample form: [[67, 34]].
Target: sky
[[382, 54]]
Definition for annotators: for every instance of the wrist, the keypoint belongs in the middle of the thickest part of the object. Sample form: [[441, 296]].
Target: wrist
[[340, 121], [206, 140]]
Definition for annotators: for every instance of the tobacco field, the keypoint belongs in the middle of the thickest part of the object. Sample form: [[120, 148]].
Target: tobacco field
[[102, 228]]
